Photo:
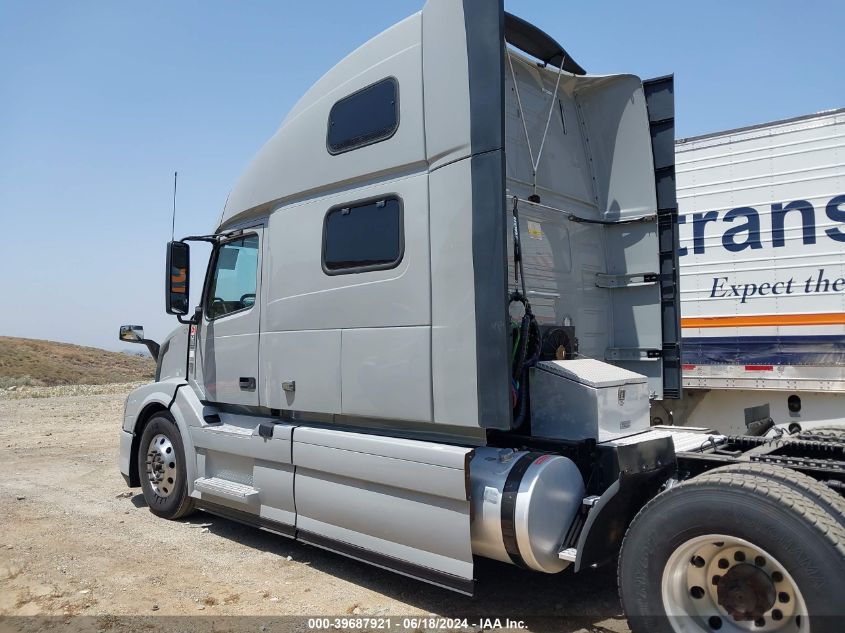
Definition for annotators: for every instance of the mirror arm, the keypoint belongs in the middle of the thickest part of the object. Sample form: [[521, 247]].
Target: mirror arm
[[152, 346], [194, 319], [200, 238]]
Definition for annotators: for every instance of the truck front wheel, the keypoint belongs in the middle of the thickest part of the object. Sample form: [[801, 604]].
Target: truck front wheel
[[162, 468], [733, 552]]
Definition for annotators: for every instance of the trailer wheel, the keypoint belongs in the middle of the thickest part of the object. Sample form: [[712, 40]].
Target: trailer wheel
[[827, 498], [162, 468], [733, 552]]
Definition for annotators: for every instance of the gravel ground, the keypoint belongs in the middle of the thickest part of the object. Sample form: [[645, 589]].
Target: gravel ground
[[20, 393], [78, 549]]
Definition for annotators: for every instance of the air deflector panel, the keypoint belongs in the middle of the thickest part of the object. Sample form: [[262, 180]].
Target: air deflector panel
[[529, 39]]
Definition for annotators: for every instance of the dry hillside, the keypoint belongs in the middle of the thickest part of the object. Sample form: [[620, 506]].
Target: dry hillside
[[26, 361]]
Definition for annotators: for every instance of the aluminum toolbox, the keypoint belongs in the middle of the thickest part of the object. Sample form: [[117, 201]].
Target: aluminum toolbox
[[585, 398]]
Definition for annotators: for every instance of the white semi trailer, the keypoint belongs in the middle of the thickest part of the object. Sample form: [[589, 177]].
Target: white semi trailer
[[762, 213], [439, 302]]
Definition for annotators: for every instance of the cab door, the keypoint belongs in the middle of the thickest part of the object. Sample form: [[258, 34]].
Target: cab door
[[227, 335]]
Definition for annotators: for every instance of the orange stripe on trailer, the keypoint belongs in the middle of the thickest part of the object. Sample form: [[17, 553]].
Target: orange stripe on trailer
[[758, 320]]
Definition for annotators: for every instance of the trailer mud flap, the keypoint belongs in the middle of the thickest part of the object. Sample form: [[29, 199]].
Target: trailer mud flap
[[399, 504]]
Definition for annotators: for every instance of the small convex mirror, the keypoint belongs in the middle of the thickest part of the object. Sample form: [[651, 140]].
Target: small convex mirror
[[131, 333], [178, 275]]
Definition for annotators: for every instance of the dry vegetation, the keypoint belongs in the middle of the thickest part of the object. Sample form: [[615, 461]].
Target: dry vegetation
[[32, 362]]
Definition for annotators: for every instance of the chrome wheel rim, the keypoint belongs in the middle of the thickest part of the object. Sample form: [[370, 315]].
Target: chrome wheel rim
[[161, 465], [727, 584]]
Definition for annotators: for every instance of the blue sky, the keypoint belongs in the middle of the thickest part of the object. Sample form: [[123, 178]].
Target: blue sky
[[100, 101]]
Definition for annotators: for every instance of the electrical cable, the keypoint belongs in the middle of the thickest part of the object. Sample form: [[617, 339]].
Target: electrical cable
[[527, 334]]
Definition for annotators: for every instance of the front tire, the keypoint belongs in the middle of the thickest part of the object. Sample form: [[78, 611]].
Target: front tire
[[733, 552], [162, 468]]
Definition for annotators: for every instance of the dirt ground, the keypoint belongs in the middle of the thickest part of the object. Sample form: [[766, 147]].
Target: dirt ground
[[81, 551]]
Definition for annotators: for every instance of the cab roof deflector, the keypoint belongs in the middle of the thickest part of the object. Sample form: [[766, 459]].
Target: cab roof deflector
[[529, 39]]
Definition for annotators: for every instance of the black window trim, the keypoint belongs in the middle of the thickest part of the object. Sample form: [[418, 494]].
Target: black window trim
[[378, 139], [367, 267], [213, 268]]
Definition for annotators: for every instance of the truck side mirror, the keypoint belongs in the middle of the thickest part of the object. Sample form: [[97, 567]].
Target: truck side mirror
[[131, 333], [178, 277], [135, 334]]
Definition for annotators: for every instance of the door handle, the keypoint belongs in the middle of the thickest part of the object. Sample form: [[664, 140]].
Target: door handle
[[247, 383]]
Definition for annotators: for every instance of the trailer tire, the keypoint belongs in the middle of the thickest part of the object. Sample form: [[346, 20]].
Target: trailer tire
[[676, 567], [162, 468], [828, 499]]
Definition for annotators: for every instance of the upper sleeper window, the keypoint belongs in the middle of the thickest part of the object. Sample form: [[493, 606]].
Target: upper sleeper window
[[364, 117], [367, 236]]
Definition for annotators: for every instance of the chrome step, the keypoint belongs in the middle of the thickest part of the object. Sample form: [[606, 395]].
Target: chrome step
[[226, 489], [570, 554]]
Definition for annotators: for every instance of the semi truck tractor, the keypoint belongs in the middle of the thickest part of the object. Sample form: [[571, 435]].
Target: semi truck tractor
[[439, 304], [762, 271]]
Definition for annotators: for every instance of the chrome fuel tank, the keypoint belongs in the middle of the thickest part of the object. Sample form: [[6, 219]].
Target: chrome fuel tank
[[523, 505]]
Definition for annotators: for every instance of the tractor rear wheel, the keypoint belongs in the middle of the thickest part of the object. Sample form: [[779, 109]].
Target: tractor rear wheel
[[827, 498], [733, 552]]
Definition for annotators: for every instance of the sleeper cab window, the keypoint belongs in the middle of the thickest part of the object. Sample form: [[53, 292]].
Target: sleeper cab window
[[364, 117], [363, 236], [235, 276]]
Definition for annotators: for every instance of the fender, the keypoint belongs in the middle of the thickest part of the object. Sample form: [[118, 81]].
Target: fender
[[139, 405], [608, 520], [188, 411], [160, 393]]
